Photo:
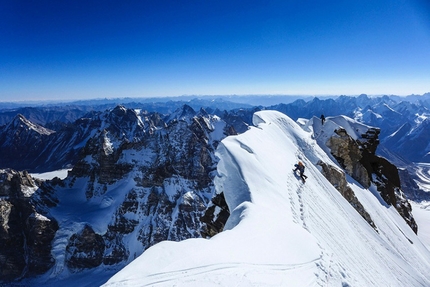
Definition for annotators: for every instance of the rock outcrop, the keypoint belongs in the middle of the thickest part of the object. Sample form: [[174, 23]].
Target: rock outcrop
[[215, 217], [349, 155], [359, 160], [25, 235], [84, 250], [337, 178]]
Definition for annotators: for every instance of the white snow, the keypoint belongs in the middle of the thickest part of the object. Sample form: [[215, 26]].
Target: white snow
[[420, 118], [188, 197], [39, 129], [282, 232], [28, 191], [40, 217], [75, 211], [107, 145], [421, 212], [218, 128], [138, 114], [61, 173], [353, 128]]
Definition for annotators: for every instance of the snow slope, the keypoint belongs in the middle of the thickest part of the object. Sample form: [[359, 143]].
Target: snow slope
[[282, 232], [62, 174], [421, 212]]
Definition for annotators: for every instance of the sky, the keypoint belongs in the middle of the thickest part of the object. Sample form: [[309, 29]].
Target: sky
[[54, 50]]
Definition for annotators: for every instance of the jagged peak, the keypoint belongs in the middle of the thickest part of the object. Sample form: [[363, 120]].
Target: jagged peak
[[122, 121], [124, 113], [119, 109], [363, 97], [21, 122], [203, 112], [184, 113]]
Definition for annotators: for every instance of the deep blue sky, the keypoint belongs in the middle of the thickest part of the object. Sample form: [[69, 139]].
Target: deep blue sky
[[53, 50]]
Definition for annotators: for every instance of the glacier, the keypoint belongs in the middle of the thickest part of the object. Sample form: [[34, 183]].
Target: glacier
[[282, 232]]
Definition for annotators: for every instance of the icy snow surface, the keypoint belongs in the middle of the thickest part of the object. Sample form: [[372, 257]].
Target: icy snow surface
[[282, 232], [62, 174], [421, 213]]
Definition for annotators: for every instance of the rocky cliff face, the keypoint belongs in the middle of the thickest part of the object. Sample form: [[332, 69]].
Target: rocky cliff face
[[349, 155], [25, 235], [85, 249], [358, 158], [215, 216], [337, 178], [140, 178]]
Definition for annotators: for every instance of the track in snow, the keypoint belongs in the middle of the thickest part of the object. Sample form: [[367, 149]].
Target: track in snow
[[238, 274]]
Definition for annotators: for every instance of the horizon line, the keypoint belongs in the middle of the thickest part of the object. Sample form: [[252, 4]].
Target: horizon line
[[203, 95]]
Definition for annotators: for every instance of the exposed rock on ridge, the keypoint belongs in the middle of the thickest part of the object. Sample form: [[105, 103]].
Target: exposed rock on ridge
[[337, 179], [347, 152], [215, 216], [25, 235], [359, 160]]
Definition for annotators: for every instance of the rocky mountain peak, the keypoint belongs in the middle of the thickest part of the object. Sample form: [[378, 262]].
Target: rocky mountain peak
[[141, 185], [185, 113], [122, 114], [20, 125]]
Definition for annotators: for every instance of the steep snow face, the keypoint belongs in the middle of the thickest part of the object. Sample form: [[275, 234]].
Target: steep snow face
[[421, 214], [282, 232]]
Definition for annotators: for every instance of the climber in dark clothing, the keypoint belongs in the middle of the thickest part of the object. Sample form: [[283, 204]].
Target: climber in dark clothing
[[301, 168], [322, 119]]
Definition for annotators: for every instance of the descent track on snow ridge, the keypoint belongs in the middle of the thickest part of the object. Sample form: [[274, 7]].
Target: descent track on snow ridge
[[238, 274]]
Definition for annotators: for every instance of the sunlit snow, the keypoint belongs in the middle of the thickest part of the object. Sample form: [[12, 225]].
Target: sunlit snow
[[62, 174], [421, 213], [282, 232]]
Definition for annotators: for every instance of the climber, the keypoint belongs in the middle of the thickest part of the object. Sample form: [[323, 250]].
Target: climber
[[300, 166], [322, 119]]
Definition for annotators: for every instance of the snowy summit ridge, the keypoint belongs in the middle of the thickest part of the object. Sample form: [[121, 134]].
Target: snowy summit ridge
[[282, 232]]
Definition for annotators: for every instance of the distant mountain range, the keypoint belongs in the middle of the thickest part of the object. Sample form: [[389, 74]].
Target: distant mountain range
[[403, 122], [141, 174]]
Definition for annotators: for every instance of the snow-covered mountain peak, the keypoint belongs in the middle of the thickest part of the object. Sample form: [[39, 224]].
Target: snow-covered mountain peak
[[185, 113], [283, 232], [21, 123]]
